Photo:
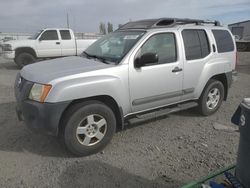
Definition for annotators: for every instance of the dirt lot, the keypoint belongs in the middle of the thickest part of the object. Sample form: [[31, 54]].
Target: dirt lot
[[168, 152]]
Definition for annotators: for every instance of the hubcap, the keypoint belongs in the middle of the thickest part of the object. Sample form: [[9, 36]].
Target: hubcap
[[91, 130], [213, 98]]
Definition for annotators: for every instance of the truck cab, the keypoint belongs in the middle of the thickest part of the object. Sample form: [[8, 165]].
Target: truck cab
[[47, 43]]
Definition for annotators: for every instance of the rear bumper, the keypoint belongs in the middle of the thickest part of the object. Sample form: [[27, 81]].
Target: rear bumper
[[41, 117]]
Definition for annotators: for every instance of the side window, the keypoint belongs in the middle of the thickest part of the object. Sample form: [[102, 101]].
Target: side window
[[224, 41], [65, 34], [164, 45], [49, 35], [195, 43]]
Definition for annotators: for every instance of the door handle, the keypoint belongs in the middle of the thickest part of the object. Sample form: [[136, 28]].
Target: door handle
[[57, 42], [177, 69]]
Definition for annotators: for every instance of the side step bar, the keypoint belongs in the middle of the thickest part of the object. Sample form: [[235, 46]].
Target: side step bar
[[162, 112]]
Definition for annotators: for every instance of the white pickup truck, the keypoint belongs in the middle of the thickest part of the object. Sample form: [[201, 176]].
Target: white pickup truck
[[47, 43]]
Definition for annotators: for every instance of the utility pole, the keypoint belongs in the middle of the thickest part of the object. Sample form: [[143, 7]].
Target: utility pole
[[67, 20]]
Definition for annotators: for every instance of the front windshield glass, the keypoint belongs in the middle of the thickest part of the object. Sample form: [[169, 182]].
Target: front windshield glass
[[34, 37], [114, 46]]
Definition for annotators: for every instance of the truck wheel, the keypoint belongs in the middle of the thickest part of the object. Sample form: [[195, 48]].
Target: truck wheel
[[88, 127], [211, 97], [24, 58]]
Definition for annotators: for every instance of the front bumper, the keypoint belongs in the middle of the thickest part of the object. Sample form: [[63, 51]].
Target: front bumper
[[41, 117], [8, 54]]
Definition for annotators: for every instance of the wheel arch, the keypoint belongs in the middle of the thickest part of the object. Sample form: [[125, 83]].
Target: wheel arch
[[29, 50], [108, 100], [224, 80]]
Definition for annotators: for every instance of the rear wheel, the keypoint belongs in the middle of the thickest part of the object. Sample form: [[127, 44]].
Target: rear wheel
[[89, 127], [24, 58], [211, 98]]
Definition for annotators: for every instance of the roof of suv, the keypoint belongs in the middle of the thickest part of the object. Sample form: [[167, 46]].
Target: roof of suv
[[165, 22]]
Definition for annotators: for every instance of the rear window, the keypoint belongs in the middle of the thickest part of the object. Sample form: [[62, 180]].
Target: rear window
[[196, 43], [65, 34], [223, 40]]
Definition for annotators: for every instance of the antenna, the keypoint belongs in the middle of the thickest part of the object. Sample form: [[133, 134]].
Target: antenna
[[67, 20]]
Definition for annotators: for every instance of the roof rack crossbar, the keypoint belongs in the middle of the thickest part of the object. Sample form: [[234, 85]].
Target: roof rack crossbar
[[165, 22]]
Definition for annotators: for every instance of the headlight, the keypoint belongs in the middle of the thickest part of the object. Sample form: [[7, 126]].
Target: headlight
[[7, 47], [39, 92]]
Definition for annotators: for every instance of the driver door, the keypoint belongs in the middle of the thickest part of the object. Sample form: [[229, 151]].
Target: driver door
[[160, 83], [49, 45]]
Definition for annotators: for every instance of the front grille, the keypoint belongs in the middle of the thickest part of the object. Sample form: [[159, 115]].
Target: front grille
[[22, 88]]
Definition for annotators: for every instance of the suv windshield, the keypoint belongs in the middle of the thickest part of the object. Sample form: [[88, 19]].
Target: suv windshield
[[114, 46]]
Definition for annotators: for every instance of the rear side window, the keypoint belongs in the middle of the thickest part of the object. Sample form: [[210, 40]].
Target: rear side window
[[223, 40], [49, 35], [65, 34], [196, 43]]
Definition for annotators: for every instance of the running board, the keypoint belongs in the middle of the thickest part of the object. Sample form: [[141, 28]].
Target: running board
[[162, 112]]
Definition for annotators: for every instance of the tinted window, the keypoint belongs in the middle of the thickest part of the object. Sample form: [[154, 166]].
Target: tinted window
[[223, 40], [65, 34], [196, 43], [49, 35], [163, 45]]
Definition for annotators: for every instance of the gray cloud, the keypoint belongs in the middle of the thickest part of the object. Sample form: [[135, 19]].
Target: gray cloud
[[85, 16]]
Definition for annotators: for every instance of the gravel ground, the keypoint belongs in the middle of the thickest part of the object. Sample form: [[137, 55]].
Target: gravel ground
[[168, 152]]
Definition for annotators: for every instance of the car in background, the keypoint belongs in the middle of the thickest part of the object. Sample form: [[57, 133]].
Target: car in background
[[47, 43]]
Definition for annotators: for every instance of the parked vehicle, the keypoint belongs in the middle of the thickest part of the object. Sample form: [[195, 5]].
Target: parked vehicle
[[47, 43], [241, 30], [159, 65]]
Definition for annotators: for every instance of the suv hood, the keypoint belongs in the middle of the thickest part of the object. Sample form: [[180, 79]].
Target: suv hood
[[46, 71]]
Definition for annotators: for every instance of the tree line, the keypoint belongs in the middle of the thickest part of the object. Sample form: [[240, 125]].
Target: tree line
[[104, 29]]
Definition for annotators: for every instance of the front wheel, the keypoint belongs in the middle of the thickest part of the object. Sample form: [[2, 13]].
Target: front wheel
[[89, 127], [24, 58], [211, 98]]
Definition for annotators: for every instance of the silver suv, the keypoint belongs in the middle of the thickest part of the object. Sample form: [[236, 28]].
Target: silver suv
[[158, 65]]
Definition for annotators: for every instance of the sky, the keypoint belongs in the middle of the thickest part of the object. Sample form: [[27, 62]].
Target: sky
[[85, 15]]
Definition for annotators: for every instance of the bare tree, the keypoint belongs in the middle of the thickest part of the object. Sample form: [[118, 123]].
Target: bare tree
[[110, 27], [102, 28]]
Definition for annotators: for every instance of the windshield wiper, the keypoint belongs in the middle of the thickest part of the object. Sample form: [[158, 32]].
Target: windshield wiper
[[95, 57]]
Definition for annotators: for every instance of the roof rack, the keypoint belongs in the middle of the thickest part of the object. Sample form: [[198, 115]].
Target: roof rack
[[165, 22]]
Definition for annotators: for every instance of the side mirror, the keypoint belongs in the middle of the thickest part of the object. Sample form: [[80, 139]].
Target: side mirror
[[146, 59], [40, 39]]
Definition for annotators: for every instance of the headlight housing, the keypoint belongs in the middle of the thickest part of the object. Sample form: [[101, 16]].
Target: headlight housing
[[39, 92], [7, 47]]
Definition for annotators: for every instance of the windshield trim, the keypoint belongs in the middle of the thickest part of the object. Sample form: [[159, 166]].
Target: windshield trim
[[115, 58]]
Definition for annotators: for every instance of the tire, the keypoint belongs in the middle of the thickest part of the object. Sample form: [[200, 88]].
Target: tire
[[211, 97], [24, 58], [88, 127]]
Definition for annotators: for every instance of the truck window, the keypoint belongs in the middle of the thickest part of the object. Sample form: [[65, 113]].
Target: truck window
[[65, 34], [224, 41], [196, 43], [164, 45], [49, 35]]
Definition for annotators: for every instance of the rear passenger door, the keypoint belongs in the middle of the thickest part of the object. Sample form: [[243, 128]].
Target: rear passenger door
[[197, 50], [48, 44], [67, 43]]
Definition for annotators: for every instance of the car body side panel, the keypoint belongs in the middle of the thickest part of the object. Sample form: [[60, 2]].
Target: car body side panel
[[112, 82], [198, 72]]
